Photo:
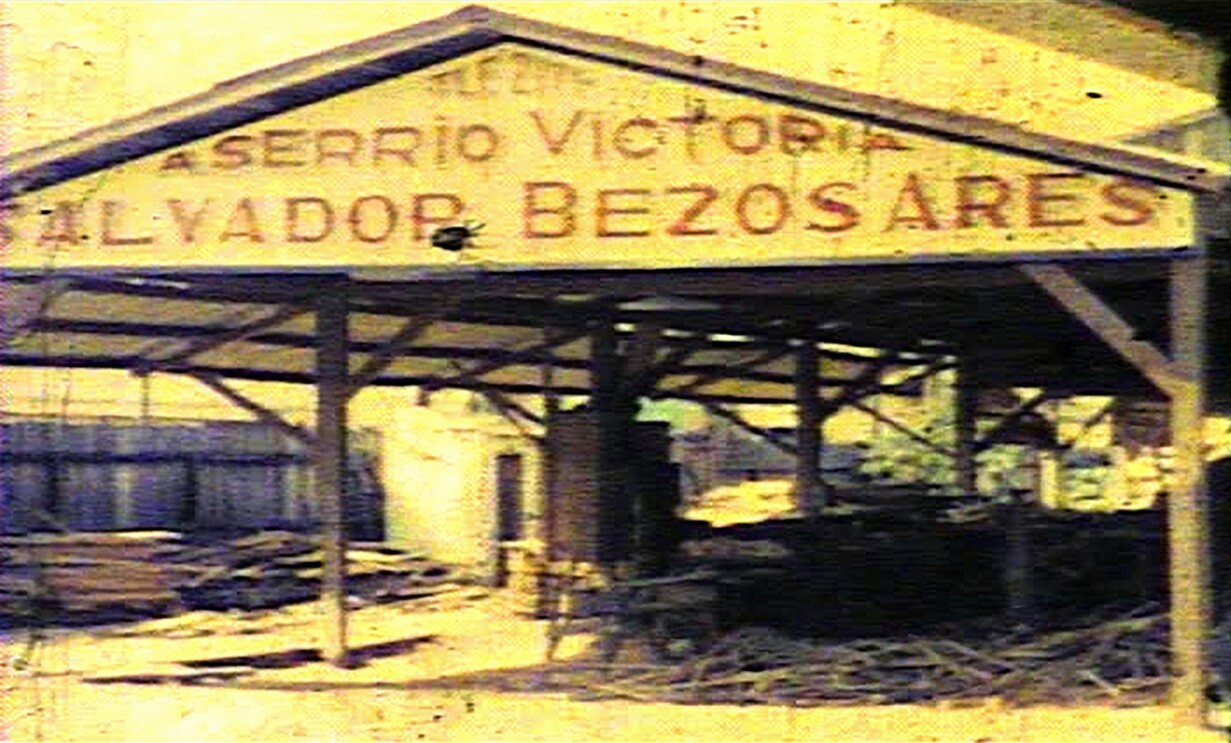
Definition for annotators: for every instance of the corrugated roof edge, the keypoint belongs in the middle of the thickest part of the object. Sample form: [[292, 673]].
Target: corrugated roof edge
[[316, 77]]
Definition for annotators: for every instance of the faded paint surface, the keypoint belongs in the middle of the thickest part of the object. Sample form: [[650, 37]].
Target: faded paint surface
[[141, 55], [440, 481], [568, 162]]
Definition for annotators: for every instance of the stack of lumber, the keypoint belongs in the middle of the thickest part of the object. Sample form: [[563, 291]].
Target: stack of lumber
[[275, 568], [1124, 660], [87, 572], [154, 571]]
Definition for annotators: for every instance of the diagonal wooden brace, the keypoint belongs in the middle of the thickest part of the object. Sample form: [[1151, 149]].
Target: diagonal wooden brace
[[209, 343], [261, 412], [912, 435], [411, 331], [735, 419], [1006, 424], [1112, 329]]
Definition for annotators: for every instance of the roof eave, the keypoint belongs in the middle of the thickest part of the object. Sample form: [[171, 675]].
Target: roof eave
[[302, 81]]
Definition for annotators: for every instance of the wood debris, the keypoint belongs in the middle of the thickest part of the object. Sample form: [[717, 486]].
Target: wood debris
[[1124, 660], [157, 572]]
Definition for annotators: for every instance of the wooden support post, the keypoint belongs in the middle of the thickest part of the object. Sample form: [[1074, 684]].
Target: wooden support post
[[615, 525], [1018, 570], [809, 497], [329, 460], [966, 400], [1188, 506]]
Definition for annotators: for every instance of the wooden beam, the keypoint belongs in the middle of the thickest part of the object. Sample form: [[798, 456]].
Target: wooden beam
[[642, 351], [866, 382], [1188, 507], [18, 321], [262, 413], [411, 331], [513, 412], [640, 384], [738, 421], [329, 460], [917, 438], [1091, 422], [1112, 329], [966, 416], [809, 493], [1006, 424], [509, 358], [931, 370], [614, 420], [732, 371], [278, 317]]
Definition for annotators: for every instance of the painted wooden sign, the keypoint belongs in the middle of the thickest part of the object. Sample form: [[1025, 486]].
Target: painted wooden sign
[[551, 161]]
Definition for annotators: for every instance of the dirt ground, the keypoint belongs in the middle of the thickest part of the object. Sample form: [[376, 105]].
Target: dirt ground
[[457, 668]]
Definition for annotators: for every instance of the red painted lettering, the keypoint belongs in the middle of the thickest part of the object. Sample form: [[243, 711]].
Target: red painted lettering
[[690, 124], [243, 223], [912, 191], [477, 142], [62, 225], [231, 153], [686, 224], [605, 209], [281, 148], [387, 218], [621, 137], [187, 223], [775, 202], [845, 215], [562, 209], [1120, 194], [181, 160], [319, 229], [8, 209], [969, 206], [337, 144], [754, 124], [422, 215], [556, 144], [1039, 195], [798, 134], [882, 141], [406, 153], [111, 218]]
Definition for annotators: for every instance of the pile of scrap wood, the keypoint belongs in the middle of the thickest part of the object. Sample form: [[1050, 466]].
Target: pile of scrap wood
[[84, 572], [1124, 660], [275, 568], [149, 572]]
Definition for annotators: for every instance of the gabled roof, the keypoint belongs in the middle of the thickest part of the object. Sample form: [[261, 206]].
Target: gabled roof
[[309, 79]]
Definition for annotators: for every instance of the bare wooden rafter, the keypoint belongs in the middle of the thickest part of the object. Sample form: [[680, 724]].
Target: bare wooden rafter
[[411, 330], [1006, 424], [866, 382], [732, 371], [1104, 321], [738, 421], [675, 359], [913, 435], [278, 317], [262, 413], [509, 358]]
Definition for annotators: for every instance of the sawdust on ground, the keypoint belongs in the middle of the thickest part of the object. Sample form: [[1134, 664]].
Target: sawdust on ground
[[419, 683]]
